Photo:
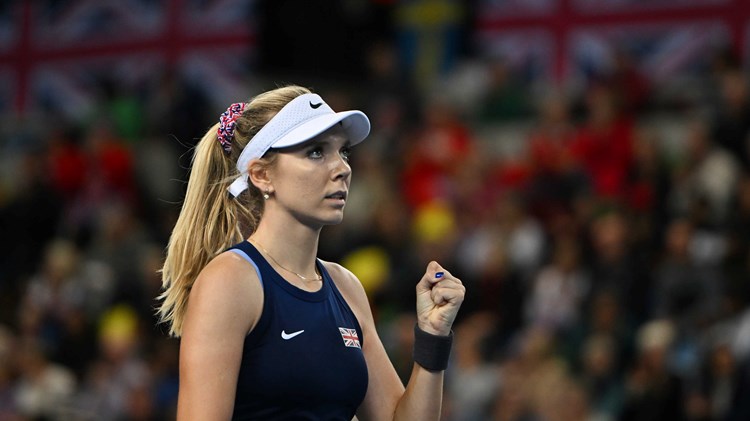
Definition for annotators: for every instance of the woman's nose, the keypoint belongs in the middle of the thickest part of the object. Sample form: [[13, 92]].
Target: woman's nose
[[342, 169]]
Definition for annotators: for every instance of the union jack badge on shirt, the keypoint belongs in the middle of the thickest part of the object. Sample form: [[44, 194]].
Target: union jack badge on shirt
[[350, 337]]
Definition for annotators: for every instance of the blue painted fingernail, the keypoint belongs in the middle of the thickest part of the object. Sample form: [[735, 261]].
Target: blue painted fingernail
[[439, 274]]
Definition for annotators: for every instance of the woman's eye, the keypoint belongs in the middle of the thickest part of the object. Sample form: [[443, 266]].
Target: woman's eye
[[346, 153], [315, 153]]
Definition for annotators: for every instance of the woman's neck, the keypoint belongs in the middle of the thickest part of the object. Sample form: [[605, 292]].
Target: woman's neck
[[291, 244]]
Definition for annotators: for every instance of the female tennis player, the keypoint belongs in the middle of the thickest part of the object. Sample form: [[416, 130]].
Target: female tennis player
[[268, 330]]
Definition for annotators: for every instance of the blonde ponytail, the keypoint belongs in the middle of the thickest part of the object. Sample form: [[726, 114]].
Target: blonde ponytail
[[211, 220]]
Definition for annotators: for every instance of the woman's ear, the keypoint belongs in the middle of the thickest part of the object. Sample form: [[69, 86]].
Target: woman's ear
[[257, 172]]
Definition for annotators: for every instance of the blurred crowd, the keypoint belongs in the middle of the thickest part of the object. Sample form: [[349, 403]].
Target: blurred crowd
[[607, 269]]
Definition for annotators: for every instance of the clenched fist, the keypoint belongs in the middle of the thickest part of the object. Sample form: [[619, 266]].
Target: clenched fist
[[439, 296]]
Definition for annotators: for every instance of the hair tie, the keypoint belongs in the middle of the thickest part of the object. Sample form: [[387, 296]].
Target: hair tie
[[227, 121]]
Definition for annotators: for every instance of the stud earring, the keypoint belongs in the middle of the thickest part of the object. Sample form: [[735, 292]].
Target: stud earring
[[266, 196]]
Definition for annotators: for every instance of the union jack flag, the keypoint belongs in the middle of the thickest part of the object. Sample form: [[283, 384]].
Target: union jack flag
[[662, 51], [350, 337], [58, 52], [571, 40]]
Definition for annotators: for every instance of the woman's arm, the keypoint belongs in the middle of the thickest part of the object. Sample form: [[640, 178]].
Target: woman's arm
[[225, 304], [438, 300]]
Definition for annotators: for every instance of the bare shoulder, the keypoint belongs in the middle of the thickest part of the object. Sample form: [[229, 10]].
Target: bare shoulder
[[350, 287], [229, 272], [227, 292]]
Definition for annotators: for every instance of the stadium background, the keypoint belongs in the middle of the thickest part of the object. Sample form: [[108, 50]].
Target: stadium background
[[582, 165]]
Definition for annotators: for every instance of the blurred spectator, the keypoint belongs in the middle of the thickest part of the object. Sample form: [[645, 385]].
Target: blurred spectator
[[440, 146], [117, 242], [493, 286], [708, 177], [110, 178], [504, 98], [44, 389], [115, 383], [558, 290], [474, 383], [69, 165], [731, 119], [606, 318], [600, 376], [111, 162], [603, 145], [615, 267], [685, 291], [474, 190], [66, 285], [520, 232], [542, 375], [649, 185], [716, 397], [653, 392], [555, 177]]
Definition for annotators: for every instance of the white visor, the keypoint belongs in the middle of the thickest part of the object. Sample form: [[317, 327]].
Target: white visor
[[299, 121]]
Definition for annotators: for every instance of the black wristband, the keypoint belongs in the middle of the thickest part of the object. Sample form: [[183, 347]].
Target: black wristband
[[432, 351]]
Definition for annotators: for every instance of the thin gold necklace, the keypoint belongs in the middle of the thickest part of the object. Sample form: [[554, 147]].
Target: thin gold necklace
[[317, 276]]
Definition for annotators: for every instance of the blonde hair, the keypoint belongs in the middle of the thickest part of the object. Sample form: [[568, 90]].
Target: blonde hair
[[211, 220]]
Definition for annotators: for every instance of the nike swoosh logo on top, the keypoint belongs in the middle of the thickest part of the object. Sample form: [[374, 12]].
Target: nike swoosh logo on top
[[315, 106], [286, 336]]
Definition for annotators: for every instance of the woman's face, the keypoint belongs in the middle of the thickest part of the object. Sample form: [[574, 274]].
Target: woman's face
[[311, 181]]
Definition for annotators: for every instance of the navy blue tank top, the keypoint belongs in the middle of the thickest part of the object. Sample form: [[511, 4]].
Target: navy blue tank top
[[303, 360]]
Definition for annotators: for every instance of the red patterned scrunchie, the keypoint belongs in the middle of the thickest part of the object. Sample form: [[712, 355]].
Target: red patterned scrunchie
[[226, 125]]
